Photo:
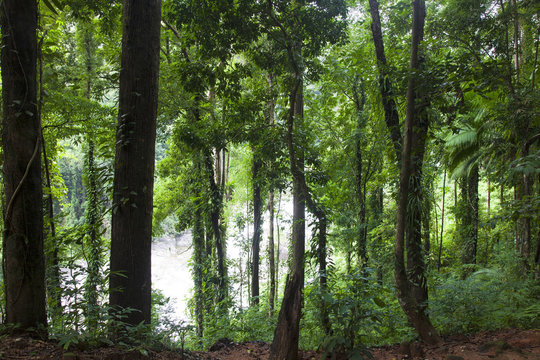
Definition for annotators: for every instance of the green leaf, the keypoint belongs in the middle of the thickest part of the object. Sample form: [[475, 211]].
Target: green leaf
[[379, 302], [50, 6]]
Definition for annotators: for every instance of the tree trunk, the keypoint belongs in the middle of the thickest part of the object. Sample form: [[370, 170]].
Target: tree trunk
[[377, 203], [391, 115], [415, 215], [23, 258], [537, 254], [472, 195], [131, 234], [323, 276], [271, 256], [198, 265], [468, 217], [53, 267], [359, 100], [257, 227], [93, 270], [442, 221], [286, 335], [92, 211], [271, 248], [215, 216], [414, 311]]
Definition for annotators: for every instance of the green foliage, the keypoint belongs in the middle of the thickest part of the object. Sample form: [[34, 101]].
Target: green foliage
[[363, 312], [489, 299]]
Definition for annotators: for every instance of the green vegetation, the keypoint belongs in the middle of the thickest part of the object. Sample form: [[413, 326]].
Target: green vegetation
[[276, 118]]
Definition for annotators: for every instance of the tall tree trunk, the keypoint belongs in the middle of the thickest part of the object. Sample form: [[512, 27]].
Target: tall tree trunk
[[391, 115], [257, 227], [271, 247], [93, 270], [468, 217], [414, 311], [415, 214], [23, 258], [278, 244], [524, 193], [198, 264], [271, 256], [92, 211], [361, 178], [53, 266], [377, 203], [131, 234], [215, 216], [426, 229], [286, 335], [472, 196], [323, 276], [442, 221]]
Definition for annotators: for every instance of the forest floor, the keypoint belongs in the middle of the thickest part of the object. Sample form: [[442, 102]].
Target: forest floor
[[508, 344]]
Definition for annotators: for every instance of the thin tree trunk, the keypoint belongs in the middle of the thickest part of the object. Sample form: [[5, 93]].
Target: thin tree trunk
[[278, 243], [257, 227], [131, 233], [455, 193], [271, 256], [198, 265], [488, 217], [94, 261], [537, 255], [323, 276], [271, 249], [55, 291], [361, 178], [442, 221]]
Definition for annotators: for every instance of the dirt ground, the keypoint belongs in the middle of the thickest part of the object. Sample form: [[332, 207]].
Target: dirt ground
[[509, 344]]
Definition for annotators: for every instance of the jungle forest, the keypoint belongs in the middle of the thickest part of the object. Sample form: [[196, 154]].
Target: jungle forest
[[346, 175]]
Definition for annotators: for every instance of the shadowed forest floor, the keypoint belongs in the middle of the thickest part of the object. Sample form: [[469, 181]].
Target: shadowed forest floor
[[508, 344]]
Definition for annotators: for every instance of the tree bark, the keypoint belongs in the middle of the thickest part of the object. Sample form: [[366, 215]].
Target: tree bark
[[271, 247], [415, 215], [442, 221], [286, 335], [361, 178], [215, 216], [198, 266], [131, 234], [257, 227], [468, 217], [323, 277], [391, 115], [93, 268], [408, 301], [271, 256], [23, 258]]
